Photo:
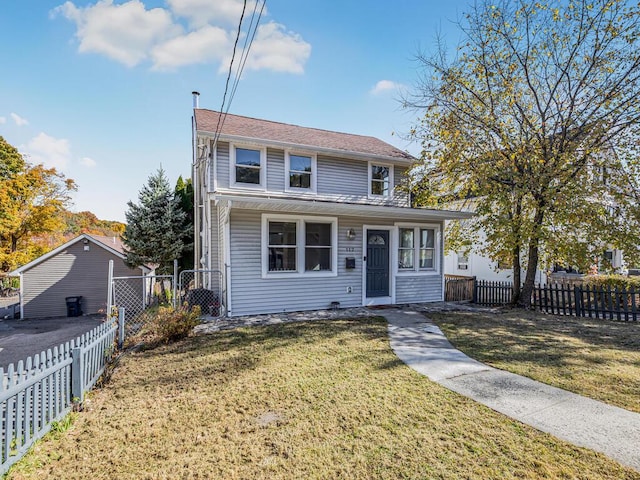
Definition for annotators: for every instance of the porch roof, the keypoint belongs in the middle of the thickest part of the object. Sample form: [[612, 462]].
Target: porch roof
[[333, 208]]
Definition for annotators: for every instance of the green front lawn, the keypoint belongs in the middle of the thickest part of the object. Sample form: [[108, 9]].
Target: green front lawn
[[315, 400], [596, 358]]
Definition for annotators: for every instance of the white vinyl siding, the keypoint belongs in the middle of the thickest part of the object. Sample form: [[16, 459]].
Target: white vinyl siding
[[275, 170], [418, 288], [340, 177], [252, 294], [332, 178], [222, 166]]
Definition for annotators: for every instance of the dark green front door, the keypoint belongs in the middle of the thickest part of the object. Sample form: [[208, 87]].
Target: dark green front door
[[377, 263]]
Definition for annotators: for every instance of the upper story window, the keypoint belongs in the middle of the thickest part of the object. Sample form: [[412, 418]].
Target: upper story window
[[247, 167], [300, 172], [380, 180], [417, 249]]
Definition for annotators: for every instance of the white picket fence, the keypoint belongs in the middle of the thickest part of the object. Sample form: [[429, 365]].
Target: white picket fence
[[42, 390]]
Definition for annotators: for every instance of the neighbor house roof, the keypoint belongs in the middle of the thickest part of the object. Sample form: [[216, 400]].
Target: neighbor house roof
[[110, 244], [270, 132]]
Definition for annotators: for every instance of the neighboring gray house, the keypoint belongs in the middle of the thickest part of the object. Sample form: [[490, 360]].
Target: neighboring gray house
[[299, 218], [78, 267]]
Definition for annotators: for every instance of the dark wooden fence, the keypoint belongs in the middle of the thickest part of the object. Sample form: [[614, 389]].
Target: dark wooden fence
[[458, 288], [579, 300]]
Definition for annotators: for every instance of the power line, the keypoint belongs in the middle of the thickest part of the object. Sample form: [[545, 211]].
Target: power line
[[233, 55], [241, 63], [245, 54]]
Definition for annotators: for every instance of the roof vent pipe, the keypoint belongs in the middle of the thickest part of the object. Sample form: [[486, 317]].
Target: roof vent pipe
[[196, 98]]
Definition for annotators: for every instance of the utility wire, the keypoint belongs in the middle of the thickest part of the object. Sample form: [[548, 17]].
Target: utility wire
[[241, 63], [226, 87], [245, 54]]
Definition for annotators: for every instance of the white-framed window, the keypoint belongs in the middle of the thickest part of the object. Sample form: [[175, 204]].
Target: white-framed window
[[248, 165], [380, 179], [299, 246], [406, 249], [300, 172], [463, 261], [418, 248]]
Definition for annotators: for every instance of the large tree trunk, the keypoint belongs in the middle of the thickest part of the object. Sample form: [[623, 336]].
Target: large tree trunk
[[516, 291], [532, 259]]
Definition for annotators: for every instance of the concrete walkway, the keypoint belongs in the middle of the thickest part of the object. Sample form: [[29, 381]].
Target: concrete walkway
[[578, 420]]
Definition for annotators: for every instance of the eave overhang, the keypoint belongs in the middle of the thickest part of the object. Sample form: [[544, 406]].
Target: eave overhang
[[265, 203]]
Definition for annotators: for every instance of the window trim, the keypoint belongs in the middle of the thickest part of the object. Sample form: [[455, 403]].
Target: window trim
[[313, 187], [300, 221], [371, 164], [232, 167], [437, 247]]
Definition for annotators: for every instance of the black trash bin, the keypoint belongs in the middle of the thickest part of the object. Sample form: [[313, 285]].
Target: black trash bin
[[73, 306]]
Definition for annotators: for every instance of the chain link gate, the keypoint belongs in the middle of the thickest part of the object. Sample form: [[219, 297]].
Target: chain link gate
[[140, 297], [203, 288]]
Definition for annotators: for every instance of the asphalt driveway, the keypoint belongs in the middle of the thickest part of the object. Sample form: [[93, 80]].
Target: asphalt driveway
[[20, 339]]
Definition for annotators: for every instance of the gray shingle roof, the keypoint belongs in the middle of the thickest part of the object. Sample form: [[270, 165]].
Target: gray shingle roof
[[267, 130]]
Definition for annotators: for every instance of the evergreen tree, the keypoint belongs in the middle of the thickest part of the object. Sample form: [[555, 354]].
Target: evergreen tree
[[155, 226], [184, 195]]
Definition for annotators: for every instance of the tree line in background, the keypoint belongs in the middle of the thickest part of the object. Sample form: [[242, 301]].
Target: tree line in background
[[35, 216], [533, 124]]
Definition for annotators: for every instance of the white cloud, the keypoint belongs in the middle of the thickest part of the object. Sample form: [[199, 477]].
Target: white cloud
[[203, 12], [3, 120], [131, 34], [50, 151], [277, 49], [19, 120], [385, 86], [204, 45], [124, 32], [87, 162]]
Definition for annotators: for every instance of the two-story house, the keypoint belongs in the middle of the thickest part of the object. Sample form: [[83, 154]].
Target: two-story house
[[299, 218]]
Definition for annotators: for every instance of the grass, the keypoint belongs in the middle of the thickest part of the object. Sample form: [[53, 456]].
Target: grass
[[315, 400], [599, 359]]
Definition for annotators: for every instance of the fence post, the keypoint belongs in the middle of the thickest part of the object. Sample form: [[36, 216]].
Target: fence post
[[110, 288], [120, 327], [175, 282], [577, 298], [474, 298], [77, 375]]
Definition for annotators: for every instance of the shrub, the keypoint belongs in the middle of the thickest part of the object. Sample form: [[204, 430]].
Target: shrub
[[169, 324], [613, 281]]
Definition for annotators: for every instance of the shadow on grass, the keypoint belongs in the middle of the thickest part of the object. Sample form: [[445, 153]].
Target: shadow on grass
[[545, 339]]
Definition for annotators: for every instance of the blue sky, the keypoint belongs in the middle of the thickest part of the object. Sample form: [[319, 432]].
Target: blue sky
[[102, 89]]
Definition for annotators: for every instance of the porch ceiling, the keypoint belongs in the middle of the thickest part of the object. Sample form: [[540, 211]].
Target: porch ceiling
[[333, 208]]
